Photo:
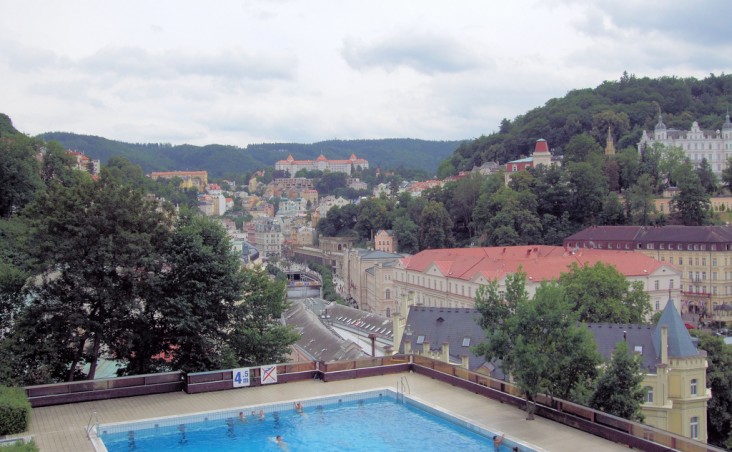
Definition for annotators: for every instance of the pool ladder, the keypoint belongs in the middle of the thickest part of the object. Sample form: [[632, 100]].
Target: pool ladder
[[92, 425], [402, 388]]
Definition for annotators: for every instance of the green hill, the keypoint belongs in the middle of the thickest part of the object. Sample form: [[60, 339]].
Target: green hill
[[630, 105], [221, 160]]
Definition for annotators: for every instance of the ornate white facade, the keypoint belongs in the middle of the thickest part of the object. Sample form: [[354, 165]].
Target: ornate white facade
[[698, 144]]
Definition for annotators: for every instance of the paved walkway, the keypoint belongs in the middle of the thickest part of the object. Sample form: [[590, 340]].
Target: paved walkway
[[62, 428]]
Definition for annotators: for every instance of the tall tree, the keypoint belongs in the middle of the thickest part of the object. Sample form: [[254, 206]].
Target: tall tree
[[99, 242], [727, 174], [600, 293], [19, 173], [619, 390], [435, 227], [719, 379], [707, 177], [640, 201], [538, 342], [258, 335], [691, 203]]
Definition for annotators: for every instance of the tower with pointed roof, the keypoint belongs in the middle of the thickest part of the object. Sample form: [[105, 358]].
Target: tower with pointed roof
[[609, 144], [674, 371]]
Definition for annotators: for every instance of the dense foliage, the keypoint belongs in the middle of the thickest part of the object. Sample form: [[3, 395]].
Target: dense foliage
[[232, 161], [98, 268], [538, 341], [15, 411], [629, 105], [619, 390], [719, 379]]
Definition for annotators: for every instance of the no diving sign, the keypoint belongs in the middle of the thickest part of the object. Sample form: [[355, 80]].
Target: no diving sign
[[269, 374]]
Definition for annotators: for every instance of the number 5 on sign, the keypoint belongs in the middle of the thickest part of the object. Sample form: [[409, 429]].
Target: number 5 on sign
[[241, 377]]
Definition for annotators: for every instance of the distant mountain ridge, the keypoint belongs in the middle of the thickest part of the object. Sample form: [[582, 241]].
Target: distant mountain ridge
[[221, 160]]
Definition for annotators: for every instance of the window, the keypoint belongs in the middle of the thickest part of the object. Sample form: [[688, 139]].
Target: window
[[681, 261], [704, 276], [466, 342], [670, 283], [694, 427], [693, 386], [649, 394], [658, 305], [714, 261], [704, 261], [514, 168], [420, 339], [656, 284], [388, 294]]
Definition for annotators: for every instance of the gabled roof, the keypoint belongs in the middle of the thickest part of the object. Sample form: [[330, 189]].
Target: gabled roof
[[316, 340], [638, 337], [540, 263], [671, 234], [680, 344], [446, 325]]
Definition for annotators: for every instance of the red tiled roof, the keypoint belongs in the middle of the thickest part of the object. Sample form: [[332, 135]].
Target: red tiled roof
[[540, 262]]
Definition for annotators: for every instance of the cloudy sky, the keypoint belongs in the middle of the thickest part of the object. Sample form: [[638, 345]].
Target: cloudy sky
[[241, 72]]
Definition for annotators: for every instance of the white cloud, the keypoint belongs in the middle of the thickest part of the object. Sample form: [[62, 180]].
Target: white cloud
[[237, 73]]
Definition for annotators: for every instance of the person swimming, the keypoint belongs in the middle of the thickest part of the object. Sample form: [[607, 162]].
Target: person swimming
[[298, 407]]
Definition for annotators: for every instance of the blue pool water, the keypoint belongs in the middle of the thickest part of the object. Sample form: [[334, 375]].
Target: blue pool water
[[376, 423]]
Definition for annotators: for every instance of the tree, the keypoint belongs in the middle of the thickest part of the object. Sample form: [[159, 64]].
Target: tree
[[258, 336], [619, 390], [98, 240], [581, 147], [188, 316], [691, 203], [727, 174], [435, 227], [538, 342], [640, 201], [406, 232], [19, 173], [707, 178], [600, 293], [719, 379], [587, 190]]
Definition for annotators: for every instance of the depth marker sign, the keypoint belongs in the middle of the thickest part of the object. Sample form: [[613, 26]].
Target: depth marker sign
[[241, 377]]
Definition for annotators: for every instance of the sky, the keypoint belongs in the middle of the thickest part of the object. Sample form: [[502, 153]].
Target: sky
[[243, 72]]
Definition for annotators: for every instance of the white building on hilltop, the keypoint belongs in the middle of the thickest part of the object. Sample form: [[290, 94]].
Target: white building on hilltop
[[698, 144]]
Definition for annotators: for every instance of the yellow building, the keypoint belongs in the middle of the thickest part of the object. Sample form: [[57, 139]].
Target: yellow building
[[702, 253], [189, 179], [675, 371]]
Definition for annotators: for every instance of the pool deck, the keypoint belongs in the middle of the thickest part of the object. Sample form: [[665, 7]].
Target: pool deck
[[62, 428]]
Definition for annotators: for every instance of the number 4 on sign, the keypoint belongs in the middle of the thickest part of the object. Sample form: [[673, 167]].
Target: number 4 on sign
[[240, 377]]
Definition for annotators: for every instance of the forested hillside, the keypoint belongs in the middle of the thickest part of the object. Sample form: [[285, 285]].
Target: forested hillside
[[630, 105], [222, 161]]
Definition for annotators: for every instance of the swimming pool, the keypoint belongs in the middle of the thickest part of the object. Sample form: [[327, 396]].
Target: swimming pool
[[363, 421]]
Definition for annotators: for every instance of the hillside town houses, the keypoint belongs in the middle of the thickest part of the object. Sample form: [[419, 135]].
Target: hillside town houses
[[429, 298]]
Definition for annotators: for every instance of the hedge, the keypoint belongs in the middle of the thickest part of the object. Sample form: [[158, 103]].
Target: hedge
[[15, 411], [19, 446]]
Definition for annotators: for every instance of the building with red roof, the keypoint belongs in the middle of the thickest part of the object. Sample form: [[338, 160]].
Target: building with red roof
[[347, 166], [541, 156], [449, 278]]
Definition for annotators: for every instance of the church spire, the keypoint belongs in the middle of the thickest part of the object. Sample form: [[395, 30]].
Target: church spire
[[610, 144]]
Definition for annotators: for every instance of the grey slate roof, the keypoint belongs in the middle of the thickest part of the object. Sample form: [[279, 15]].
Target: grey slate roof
[[369, 254], [644, 234], [316, 340], [638, 337], [646, 339], [679, 340], [451, 325]]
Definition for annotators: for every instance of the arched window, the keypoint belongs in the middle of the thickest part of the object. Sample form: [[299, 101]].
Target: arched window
[[388, 295], [693, 386]]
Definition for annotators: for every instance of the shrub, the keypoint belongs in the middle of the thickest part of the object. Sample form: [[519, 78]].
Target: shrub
[[15, 411], [20, 446]]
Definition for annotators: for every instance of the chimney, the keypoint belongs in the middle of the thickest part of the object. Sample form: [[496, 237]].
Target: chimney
[[445, 352], [664, 344], [426, 348], [464, 363]]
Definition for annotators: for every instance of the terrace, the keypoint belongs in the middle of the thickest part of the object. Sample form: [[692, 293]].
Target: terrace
[[60, 425]]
